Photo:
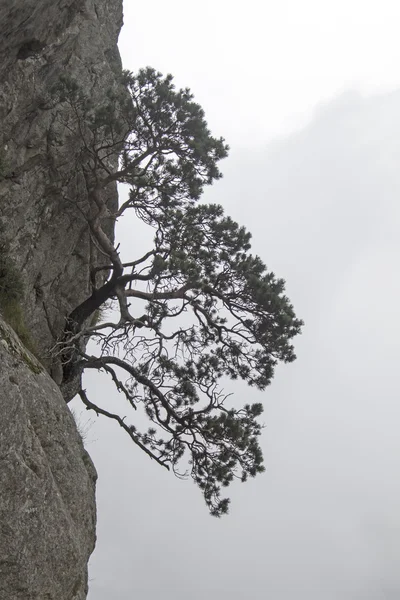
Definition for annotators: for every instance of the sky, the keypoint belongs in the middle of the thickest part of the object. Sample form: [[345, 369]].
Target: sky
[[307, 94]]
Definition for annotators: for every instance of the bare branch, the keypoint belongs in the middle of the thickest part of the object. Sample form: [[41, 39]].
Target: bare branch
[[100, 411]]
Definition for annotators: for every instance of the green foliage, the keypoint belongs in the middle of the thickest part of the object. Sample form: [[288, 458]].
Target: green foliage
[[160, 134], [11, 298], [244, 320], [4, 167], [209, 309], [172, 126], [11, 286], [12, 313], [242, 326]]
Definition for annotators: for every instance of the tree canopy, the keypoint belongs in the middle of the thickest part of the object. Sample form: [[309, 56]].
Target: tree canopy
[[195, 308]]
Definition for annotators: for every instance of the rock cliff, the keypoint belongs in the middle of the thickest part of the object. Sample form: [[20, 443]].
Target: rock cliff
[[47, 484], [47, 480], [42, 188]]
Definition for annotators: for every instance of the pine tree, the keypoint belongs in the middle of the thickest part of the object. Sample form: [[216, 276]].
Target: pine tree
[[196, 307]]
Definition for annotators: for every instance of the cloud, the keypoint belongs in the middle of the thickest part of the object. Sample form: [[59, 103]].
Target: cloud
[[322, 523]]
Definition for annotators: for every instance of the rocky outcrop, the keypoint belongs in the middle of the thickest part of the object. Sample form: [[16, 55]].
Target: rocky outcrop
[[43, 193], [47, 480], [47, 484]]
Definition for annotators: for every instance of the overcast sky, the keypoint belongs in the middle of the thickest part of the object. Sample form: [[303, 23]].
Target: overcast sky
[[306, 95]]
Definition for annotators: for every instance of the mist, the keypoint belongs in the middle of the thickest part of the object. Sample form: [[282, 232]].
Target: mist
[[323, 521]]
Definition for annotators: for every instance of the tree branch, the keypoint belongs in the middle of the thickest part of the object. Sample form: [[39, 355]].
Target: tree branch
[[90, 406]]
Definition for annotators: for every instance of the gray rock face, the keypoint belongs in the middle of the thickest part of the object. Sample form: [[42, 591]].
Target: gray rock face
[[43, 194], [47, 484], [47, 480]]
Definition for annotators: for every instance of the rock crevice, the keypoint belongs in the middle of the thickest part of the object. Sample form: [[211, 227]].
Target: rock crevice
[[47, 480], [42, 187]]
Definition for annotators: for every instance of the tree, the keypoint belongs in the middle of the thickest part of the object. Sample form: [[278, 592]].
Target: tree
[[195, 308]]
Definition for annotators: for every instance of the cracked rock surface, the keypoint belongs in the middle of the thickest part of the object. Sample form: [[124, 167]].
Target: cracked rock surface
[[43, 194], [47, 480], [47, 484]]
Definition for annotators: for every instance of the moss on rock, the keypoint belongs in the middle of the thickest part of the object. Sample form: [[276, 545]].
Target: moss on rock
[[11, 300]]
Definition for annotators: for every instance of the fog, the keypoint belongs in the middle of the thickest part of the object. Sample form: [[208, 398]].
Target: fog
[[323, 522]]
